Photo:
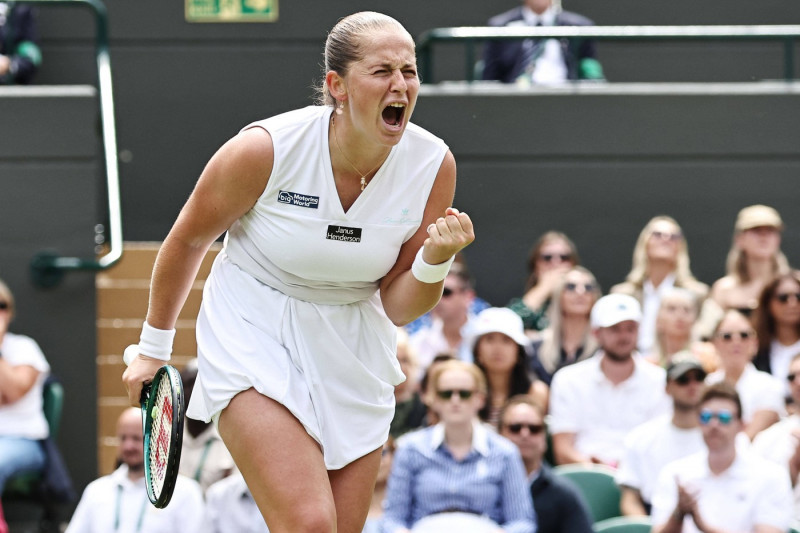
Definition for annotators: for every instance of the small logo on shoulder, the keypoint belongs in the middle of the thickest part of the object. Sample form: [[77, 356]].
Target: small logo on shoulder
[[300, 200], [342, 233]]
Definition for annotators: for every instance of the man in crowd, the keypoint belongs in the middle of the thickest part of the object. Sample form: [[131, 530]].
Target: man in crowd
[[655, 443], [559, 505], [596, 402], [724, 487], [118, 502], [540, 61]]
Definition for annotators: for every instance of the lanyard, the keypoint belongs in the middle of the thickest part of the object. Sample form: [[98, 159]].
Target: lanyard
[[199, 471], [117, 511]]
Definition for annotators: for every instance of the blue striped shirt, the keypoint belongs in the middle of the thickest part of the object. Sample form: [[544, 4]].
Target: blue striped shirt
[[426, 479]]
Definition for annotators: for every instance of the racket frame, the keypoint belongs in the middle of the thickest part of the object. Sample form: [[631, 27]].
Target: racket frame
[[148, 398]]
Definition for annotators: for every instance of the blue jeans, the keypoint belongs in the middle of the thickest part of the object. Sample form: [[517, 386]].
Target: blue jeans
[[19, 455]]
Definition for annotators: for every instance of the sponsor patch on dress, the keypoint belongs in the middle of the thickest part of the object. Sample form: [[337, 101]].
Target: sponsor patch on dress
[[300, 200], [343, 233]]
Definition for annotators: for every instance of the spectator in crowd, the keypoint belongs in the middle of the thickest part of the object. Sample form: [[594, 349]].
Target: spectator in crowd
[[777, 323], [675, 320], [559, 505], [568, 338], [477, 304], [409, 410], [204, 456], [551, 257], [118, 502], [20, 55], [431, 417], [459, 470], [723, 487], [754, 259], [375, 515], [594, 403], [230, 508], [657, 442], [23, 369], [540, 61], [760, 393], [498, 347], [446, 334], [780, 442], [660, 262]]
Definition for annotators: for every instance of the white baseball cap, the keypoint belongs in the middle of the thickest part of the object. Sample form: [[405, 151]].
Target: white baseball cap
[[498, 320], [615, 308]]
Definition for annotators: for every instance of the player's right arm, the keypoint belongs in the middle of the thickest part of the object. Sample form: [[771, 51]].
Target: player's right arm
[[229, 186]]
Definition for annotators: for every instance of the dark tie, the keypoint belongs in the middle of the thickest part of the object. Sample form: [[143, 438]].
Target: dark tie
[[531, 50]]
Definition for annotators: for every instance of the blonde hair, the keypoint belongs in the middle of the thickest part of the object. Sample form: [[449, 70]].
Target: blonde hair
[[639, 268], [550, 350], [413, 358], [659, 354], [736, 262], [345, 45], [455, 364], [7, 296]]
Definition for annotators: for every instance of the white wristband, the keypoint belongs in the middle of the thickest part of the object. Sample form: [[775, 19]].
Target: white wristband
[[427, 273], [155, 343]]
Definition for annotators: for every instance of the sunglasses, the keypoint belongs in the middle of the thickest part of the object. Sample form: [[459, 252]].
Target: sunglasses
[[791, 377], [447, 292], [725, 417], [664, 236], [4, 306], [448, 394], [728, 336], [573, 287], [548, 258], [689, 377], [784, 297], [533, 429]]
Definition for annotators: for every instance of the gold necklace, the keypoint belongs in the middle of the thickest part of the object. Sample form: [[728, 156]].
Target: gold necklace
[[363, 176]]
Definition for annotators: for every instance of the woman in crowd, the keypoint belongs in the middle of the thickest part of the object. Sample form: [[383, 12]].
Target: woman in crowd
[[568, 338], [458, 471], [499, 349], [675, 322], [660, 262], [409, 410], [761, 394], [777, 322], [23, 370], [552, 255], [754, 259]]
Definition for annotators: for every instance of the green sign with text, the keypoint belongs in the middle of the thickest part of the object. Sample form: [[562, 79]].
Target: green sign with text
[[231, 10]]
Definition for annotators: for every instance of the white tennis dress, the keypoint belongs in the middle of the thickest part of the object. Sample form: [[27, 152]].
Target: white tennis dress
[[291, 306]]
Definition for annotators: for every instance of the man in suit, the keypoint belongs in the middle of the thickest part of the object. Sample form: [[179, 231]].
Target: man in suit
[[540, 61]]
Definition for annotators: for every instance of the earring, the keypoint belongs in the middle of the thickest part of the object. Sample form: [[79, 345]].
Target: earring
[[340, 108]]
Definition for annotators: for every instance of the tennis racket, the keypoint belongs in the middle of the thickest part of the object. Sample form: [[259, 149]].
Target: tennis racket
[[162, 420]]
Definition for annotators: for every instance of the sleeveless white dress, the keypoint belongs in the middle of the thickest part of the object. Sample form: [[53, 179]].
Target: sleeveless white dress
[[291, 307]]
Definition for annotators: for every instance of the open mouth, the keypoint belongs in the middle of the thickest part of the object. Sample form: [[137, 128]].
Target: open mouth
[[393, 114]]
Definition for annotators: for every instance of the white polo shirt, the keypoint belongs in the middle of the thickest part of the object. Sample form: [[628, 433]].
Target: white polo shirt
[[752, 491], [230, 508], [651, 446], [777, 443], [583, 401], [758, 391], [115, 504]]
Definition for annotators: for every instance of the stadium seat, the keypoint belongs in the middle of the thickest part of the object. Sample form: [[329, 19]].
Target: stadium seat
[[597, 484], [623, 524]]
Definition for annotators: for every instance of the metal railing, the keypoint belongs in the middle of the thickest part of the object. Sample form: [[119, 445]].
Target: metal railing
[[48, 268], [471, 35]]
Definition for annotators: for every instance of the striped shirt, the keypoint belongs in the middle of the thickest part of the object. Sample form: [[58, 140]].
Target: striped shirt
[[426, 479]]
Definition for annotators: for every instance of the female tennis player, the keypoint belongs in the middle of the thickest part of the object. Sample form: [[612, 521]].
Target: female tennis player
[[339, 228]]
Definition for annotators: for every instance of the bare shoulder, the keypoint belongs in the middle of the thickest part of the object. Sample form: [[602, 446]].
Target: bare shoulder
[[722, 287]]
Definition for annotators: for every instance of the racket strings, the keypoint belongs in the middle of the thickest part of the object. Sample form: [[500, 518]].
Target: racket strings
[[161, 430]]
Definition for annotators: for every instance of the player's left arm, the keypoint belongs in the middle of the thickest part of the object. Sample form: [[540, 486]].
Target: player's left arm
[[444, 231]]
